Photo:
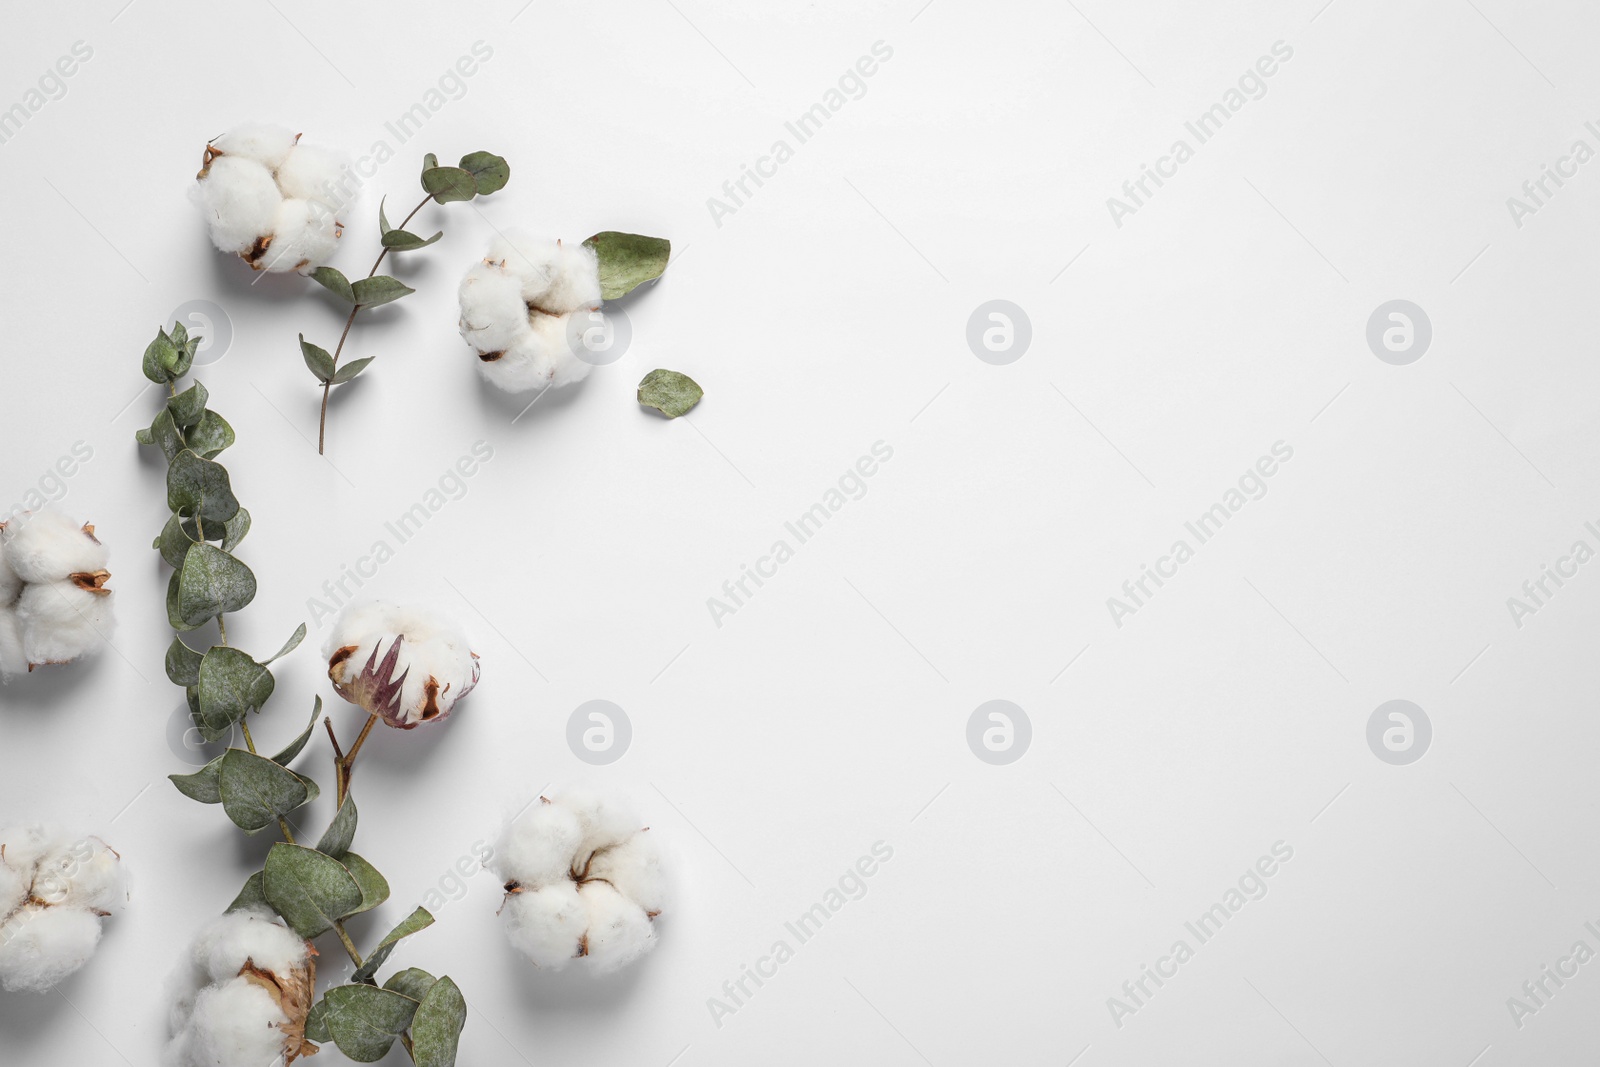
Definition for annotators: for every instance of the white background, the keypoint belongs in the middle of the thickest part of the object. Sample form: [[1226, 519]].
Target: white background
[[828, 313]]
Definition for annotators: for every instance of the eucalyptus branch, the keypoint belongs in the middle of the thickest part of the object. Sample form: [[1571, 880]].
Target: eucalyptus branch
[[313, 889], [479, 174]]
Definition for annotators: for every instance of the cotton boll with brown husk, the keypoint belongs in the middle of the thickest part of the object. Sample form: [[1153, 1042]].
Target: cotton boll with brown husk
[[269, 199], [242, 998], [407, 664], [55, 891], [585, 883], [54, 603], [517, 307]]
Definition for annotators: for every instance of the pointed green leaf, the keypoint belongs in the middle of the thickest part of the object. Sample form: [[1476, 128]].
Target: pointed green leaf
[[335, 282], [413, 982], [416, 922], [380, 289], [310, 890], [488, 170], [449, 183], [429, 161], [436, 1029], [200, 487], [211, 436], [628, 260], [365, 1020], [293, 750], [183, 664], [374, 887], [188, 406], [351, 369], [403, 241], [289, 645], [211, 583], [252, 895], [255, 792], [669, 392], [383, 220], [233, 532], [317, 358], [163, 433], [204, 785], [341, 831]]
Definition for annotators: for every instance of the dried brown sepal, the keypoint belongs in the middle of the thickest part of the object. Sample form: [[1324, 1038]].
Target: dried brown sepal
[[294, 994], [91, 581]]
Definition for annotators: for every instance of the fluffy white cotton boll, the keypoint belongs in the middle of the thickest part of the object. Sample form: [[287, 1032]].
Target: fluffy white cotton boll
[[539, 848], [47, 546], [61, 621], [13, 660], [606, 821], [40, 946], [312, 172], [543, 357], [558, 277], [638, 870], [249, 934], [407, 664], [236, 1024], [619, 930], [547, 924], [239, 201], [493, 314], [263, 142], [10, 580], [86, 874], [304, 233]]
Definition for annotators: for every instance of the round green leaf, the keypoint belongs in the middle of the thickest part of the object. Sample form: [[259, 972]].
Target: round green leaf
[[231, 685], [365, 1020], [200, 487], [211, 583], [175, 540], [488, 170], [188, 406], [183, 664], [163, 433], [669, 392], [310, 890], [211, 436], [233, 532], [255, 792], [449, 183], [436, 1029], [628, 260], [374, 887], [413, 982]]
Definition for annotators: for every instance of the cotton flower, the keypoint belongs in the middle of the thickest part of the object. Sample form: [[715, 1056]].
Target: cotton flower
[[242, 998], [54, 891], [269, 198], [584, 882], [404, 663], [517, 309], [54, 604]]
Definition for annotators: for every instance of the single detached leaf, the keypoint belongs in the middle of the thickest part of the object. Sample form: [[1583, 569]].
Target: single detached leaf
[[164, 434], [413, 982], [669, 392], [449, 183], [436, 1029], [341, 831], [628, 260], [310, 890], [417, 921], [293, 750], [335, 282], [404, 241], [204, 785], [380, 289], [211, 436], [256, 791], [318, 359], [188, 406], [175, 540], [183, 664], [374, 887], [211, 583], [200, 488], [365, 1020], [488, 170], [252, 895], [351, 369], [289, 645], [233, 532]]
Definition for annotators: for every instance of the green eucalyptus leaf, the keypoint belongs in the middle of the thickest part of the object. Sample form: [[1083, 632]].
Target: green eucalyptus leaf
[[351, 369], [341, 831], [166, 359], [233, 532], [449, 183], [310, 890], [669, 392], [383, 220], [211, 583], [175, 540], [404, 241], [252, 895], [183, 664], [179, 334], [488, 170], [204, 785], [429, 161], [374, 887], [317, 1023], [436, 1029], [175, 617], [416, 922], [365, 1020], [628, 260], [335, 282], [318, 359], [200, 487], [188, 406], [380, 289], [164, 433], [293, 750], [256, 792], [231, 686], [413, 982], [212, 435], [289, 645]]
